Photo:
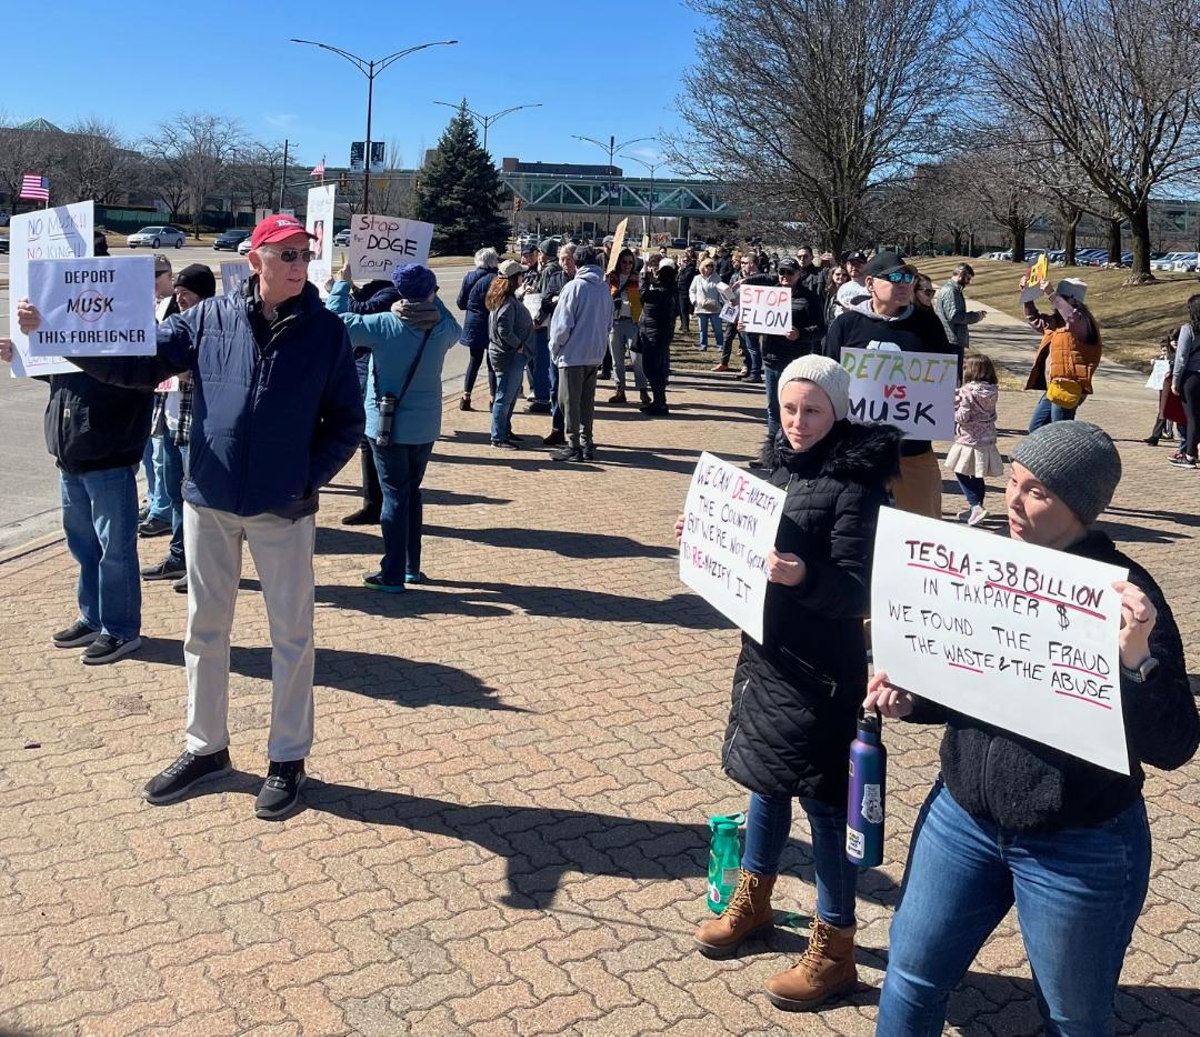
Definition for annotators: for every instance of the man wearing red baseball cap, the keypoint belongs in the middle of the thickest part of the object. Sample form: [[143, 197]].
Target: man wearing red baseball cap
[[277, 412]]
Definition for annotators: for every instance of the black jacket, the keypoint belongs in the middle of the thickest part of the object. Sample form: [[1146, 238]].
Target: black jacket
[[687, 274], [1024, 786], [90, 426], [656, 326], [796, 696], [550, 281], [808, 318]]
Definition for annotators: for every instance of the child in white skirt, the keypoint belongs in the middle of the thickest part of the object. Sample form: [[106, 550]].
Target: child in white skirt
[[974, 457]]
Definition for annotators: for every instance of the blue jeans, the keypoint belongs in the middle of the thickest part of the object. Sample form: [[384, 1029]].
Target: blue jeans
[[1046, 412], [771, 385], [401, 468], [508, 389], [768, 824], [752, 351], [556, 411], [100, 519], [973, 489], [168, 482], [156, 499], [478, 356], [1078, 894], [540, 375], [707, 321]]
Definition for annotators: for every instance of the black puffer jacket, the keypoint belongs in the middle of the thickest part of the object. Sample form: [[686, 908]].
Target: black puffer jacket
[[808, 321], [796, 696], [1023, 786]]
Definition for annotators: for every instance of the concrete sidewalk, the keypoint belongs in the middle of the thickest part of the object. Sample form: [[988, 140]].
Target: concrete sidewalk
[[505, 829]]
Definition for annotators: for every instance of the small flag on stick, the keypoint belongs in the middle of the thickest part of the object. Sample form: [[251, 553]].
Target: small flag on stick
[[35, 188]]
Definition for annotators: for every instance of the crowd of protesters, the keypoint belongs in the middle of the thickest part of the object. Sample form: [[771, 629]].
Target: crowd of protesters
[[240, 380]]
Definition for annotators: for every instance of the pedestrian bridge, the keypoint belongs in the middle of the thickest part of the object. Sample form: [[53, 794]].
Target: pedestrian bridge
[[629, 196]]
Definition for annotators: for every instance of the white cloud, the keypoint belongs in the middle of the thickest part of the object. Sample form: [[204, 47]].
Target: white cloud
[[281, 120]]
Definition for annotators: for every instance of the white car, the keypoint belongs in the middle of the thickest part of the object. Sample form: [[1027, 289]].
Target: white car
[[158, 237], [1185, 262], [1167, 262], [244, 247]]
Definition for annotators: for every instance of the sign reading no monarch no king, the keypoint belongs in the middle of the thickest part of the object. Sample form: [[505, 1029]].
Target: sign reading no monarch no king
[[912, 391], [380, 244], [1021, 637]]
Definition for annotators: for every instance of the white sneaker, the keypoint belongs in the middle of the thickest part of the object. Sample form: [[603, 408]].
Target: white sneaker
[[977, 515], [962, 516]]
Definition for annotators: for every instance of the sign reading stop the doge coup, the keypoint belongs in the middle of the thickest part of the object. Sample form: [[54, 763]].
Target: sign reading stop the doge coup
[[380, 244]]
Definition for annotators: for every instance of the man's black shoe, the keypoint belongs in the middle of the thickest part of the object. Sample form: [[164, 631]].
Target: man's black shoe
[[362, 517], [153, 527], [76, 635], [556, 438], [187, 771], [589, 452], [567, 453], [506, 444], [108, 649], [538, 407], [168, 569], [180, 586], [281, 790]]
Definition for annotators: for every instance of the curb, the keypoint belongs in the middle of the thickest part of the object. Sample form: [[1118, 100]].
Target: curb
[[32, 547]]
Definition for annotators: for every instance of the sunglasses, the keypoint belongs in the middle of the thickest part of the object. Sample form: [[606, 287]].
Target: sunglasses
[[290, 255], [901, 277]]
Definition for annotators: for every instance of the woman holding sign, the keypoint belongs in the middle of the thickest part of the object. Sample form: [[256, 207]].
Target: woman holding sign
[[796, 696], [1068, 355], [1011, 821]]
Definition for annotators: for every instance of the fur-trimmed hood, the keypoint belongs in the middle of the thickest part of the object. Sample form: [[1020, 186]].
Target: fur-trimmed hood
[[860, 452]]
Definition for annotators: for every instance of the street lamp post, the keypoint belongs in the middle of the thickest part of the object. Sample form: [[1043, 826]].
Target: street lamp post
[[612, 147], [652, 166], [486, 120], [371, 69]]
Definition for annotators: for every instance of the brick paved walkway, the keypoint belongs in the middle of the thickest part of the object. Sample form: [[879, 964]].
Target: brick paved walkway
[[505, 830]]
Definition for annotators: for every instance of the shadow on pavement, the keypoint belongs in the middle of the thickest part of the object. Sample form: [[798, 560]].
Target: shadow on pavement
[[562, 542], [444, 498], [390, 678]]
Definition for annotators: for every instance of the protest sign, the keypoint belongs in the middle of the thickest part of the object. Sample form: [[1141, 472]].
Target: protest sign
[[618, 244], [912, 391], [1034, 277], [730, 522], [533, 304], [766, 308], [64, 232], [1159, 374], [1022, 637], [380, 244], [234, 274], [730, 313], [318, 221], [93, 307]]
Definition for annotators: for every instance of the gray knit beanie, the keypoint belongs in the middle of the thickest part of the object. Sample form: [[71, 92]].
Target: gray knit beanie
[[1076, 462], [828, 374]]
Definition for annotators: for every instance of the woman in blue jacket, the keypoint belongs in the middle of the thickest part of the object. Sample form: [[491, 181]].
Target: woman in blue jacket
[[408, 345], [472, 298]]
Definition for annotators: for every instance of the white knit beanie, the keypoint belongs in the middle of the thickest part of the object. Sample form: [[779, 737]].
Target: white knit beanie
[[828, 374]]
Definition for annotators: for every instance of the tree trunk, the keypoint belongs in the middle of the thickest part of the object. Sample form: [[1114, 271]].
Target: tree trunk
[[958, 242], [1114, 240], [1070, 232], [1140, 226], [1018, 242]]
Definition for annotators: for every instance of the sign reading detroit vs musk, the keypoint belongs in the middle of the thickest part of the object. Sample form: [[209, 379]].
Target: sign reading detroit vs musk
[[93, 307], [912, 391]]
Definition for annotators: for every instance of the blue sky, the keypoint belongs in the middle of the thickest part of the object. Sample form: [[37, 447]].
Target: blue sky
[[233, 58]]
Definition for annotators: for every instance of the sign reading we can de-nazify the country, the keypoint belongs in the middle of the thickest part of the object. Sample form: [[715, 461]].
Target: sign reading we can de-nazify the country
[[93, 307]]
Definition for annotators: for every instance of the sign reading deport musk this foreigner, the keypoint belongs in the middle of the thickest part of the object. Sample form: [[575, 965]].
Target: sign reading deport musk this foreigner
[[729, 526], [93, 307], [380, 244], [1020, 637]]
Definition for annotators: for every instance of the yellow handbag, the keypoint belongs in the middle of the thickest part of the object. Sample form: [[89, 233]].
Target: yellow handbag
[[1064, 392]]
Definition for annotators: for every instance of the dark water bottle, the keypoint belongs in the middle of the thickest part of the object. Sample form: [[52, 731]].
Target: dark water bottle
[[387, 411], [868, 786]]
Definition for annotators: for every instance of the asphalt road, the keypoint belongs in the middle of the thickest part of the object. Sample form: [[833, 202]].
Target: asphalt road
[[30, 502]]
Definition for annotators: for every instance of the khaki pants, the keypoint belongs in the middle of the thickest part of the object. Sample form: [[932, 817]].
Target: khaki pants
[[918, 488], [282, 550]]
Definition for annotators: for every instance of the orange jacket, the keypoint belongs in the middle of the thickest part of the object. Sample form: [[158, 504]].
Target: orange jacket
[[1069, 358]]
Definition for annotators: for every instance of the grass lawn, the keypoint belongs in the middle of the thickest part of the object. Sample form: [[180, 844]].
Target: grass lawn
[[1133, 320]]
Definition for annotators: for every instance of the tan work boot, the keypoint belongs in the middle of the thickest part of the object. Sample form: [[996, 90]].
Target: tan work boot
[[748, 913], [826, 970]]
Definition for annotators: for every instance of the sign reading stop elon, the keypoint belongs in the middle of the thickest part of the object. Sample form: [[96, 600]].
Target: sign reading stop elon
[[766, 309], [93, 307]]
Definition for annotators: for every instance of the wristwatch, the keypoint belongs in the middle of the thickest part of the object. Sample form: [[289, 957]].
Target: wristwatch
[[1143, 672]]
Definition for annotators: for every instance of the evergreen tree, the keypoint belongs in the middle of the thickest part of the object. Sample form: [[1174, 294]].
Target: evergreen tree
[[459, 192]]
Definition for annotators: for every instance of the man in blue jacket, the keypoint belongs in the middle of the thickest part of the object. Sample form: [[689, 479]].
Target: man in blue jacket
[[276, 414]]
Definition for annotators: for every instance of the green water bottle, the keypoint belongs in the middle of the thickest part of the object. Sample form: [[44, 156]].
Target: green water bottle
[[724, 860]]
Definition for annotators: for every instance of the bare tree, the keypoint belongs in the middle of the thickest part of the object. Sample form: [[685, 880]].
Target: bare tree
[[22, 151], [94, 162], [812, 102], [191, 154], [1114, 82], [997, 177], [255, 173], [391, 195]]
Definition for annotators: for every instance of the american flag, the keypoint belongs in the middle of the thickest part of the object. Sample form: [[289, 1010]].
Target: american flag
[[35, 188], [319, 169]]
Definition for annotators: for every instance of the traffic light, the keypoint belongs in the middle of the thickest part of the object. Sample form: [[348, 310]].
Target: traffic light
[[517, 205], [343, 182]]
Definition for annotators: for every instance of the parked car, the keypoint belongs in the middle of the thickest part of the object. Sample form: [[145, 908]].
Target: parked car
[[1186, 262], [679, 243], [243, 247], [4, 245], [1166, 262], [342, 237], [230, 239], [158, 237]]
